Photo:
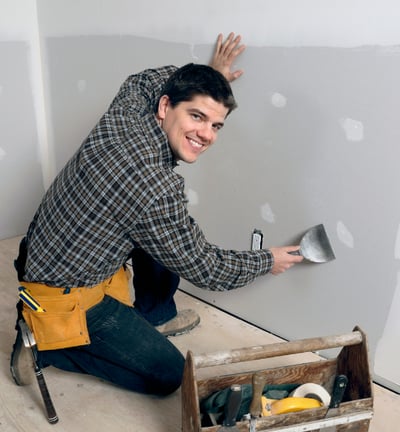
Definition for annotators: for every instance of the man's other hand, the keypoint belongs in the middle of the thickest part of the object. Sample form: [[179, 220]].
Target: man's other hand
[[225, 54]]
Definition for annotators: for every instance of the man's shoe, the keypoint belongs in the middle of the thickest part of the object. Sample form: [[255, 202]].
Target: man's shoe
[[183, 322]]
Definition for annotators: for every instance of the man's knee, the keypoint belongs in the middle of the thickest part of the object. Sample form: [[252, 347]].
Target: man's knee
[[172, 378]]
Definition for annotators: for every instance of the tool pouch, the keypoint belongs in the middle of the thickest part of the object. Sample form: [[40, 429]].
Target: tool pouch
[[63, 324]]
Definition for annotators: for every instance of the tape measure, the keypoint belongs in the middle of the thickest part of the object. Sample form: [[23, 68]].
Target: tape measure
[[287, 405]]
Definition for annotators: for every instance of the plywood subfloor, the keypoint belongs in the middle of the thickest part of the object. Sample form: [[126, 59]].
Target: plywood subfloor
[[84, 403]]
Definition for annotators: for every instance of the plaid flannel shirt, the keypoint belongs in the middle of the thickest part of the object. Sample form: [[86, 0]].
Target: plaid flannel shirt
[[120, 191]]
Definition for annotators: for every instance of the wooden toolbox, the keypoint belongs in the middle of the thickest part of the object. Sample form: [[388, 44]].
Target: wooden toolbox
[[353, 414]]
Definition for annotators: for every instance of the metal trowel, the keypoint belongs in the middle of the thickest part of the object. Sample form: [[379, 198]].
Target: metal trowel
[[315, 246]]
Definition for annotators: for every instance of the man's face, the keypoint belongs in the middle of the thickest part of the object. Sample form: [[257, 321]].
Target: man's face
[[192, 126]]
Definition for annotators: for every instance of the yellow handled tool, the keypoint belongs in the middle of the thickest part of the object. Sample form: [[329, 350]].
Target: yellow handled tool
[[29, 300]]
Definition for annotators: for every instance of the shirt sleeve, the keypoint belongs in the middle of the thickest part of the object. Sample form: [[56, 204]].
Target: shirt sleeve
[[170, 235], [140, 92]]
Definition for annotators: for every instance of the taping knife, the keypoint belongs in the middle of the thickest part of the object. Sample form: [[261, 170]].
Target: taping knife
[[231, 409], [339, 387]]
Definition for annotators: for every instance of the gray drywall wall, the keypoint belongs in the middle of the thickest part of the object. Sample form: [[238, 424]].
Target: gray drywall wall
[[84, 73], [20, 169], [314, 140]]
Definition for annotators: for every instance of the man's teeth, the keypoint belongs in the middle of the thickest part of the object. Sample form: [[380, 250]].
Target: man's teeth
[[195, 144]]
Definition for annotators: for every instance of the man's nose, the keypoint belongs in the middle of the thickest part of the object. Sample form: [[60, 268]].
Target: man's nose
[[206, 132]]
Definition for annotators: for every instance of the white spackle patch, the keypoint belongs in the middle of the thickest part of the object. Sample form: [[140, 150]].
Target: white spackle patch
[[192, 54], [82, 85], [278, 100], [3, 154], [267, 213], [344, 235], [193, 197], [397, 245], [353, 129]]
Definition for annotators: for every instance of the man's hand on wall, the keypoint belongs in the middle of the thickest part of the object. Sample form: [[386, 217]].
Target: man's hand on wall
[[225, 54]]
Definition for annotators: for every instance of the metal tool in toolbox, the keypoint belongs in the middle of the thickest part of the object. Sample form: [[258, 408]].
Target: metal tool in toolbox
[[339, 387], [231, 409], [315, 245], [30, 342]]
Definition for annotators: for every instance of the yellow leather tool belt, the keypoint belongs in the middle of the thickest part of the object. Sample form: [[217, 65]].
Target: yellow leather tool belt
[[62, 324]]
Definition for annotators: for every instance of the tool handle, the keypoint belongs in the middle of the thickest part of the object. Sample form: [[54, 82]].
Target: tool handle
[[258, 382], [276, 349], [339, 388], [232, 405], [296, 252], [51, 412]]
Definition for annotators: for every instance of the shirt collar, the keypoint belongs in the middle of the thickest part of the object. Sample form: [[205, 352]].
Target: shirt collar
[[167, 158]]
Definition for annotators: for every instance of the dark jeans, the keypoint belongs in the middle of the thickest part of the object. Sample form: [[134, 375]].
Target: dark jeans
[[155, 287], [125, 347]]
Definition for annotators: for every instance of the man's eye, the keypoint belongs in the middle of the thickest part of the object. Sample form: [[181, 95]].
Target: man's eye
[[196, 116]]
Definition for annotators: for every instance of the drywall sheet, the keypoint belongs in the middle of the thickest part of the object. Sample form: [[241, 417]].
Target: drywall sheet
[[83, 74], [314, 140], [20, 170]]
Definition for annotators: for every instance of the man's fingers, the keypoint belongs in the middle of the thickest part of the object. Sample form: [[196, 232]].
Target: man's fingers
[[231, 46], [226, 52]]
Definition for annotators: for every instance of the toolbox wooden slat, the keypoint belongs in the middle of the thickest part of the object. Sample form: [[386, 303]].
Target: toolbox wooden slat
[[276, 349], [353, 415]]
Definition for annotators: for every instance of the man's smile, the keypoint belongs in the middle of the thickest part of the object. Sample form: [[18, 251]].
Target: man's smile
[[195, 144], [191, 126]]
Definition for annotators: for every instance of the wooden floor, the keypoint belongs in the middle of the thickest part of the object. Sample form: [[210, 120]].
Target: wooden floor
[[87, 404]]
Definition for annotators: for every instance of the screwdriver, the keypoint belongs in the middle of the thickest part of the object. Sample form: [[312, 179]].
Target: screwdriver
[[29, 300]]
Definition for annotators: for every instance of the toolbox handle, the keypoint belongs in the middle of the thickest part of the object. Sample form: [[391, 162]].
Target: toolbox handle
[[277, 349]]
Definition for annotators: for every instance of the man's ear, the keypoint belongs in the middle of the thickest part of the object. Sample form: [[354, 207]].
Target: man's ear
[[163, 105]]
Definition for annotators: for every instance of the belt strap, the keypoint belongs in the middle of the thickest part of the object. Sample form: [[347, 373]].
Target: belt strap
[[116, 286]]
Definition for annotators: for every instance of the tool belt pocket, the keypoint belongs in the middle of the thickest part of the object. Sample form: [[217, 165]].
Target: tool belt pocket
[[117, 287], [61, 325]]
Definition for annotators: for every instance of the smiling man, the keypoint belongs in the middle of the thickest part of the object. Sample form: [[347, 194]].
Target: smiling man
[[191, 116], [118, 200], [202, 118]]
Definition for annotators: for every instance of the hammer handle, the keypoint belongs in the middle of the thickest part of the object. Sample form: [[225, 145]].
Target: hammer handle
[[258, 382], [48, 403]]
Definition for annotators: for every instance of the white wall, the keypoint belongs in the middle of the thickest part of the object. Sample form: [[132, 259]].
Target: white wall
[[62, 61], [339, 23], [24, 156]]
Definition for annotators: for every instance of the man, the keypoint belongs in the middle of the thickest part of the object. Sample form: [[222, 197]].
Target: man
[[117, 200]]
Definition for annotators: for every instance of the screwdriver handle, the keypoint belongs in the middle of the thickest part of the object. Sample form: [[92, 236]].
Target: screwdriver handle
[[258, 382]]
